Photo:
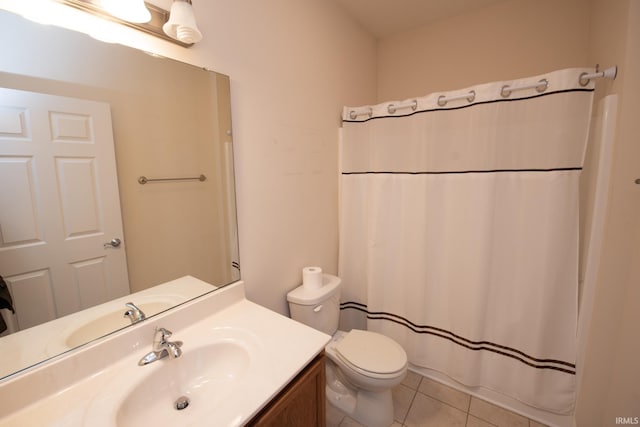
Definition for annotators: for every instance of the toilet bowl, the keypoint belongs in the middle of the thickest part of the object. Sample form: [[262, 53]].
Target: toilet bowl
[[361, 383], [362, 366]]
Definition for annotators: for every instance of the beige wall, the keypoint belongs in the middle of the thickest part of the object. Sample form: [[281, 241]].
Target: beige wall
[[293, 64], [506, 40]]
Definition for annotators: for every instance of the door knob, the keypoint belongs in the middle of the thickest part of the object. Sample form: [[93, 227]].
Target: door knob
[[114, 243]]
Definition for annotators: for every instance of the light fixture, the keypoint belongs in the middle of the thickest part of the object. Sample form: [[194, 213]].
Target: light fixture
[[182, 23], [86, 16], [128, 10]]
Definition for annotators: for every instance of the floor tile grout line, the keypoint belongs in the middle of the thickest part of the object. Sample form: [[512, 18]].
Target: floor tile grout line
[[413, 398], [467, 412], [481, 419], [528, 420], [443, 402], [413, 402]]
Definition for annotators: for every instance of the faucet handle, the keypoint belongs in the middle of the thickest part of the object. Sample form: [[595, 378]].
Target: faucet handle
[[165, 333], [131, 305], [134, 313], [161, 335], [160, 338]]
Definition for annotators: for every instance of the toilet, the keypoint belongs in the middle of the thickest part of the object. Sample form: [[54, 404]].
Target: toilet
[[362, 366]]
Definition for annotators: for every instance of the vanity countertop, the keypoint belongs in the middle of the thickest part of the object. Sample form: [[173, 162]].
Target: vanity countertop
[[99, 383], [30, 346]]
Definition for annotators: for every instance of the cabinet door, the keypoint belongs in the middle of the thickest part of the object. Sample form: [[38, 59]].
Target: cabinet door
[[301, 403]]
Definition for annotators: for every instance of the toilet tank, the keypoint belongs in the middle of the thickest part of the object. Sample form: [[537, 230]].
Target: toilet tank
[[318, 308]]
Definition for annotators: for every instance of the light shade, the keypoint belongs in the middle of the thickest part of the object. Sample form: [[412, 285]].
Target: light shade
[[182, 23], [127, 10]]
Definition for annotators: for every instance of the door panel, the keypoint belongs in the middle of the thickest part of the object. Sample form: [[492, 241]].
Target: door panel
[[90, 278], [18, 215], [77, 187], [70, 128], [41, 309]]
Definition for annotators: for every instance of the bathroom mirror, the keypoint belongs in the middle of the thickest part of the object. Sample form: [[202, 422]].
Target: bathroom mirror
[[170, 122]]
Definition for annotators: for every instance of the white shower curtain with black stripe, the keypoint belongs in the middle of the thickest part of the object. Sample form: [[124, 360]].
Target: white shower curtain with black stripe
[[459, 230]]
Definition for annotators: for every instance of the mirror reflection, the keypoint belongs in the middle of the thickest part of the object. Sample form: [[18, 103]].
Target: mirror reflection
[[81, 122]]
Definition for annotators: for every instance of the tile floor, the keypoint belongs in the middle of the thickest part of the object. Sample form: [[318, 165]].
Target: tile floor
[[421, 402]]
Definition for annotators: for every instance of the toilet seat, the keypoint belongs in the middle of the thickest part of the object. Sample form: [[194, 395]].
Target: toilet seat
[[371, 354]]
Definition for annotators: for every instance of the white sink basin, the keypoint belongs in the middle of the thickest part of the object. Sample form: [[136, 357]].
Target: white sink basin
[[202, 375], [215, 367], [236, 356]]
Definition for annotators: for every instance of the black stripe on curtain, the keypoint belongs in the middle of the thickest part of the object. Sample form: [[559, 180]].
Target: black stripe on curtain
[[557, 365], [459, 172]]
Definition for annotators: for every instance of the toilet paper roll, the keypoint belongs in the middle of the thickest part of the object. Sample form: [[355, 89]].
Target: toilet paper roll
[[312, 277]]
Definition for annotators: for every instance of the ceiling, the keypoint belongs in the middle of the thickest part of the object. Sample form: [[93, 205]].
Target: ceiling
[[383, 18]]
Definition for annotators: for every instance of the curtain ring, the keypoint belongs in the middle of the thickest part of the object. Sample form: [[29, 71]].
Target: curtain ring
[[391, 108], [505, 91], [542, 88], [353, 114], [441, 101], [472, 96], [582, 80]]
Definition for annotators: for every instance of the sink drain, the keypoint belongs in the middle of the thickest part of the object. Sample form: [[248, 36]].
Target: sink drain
[[181, 403]]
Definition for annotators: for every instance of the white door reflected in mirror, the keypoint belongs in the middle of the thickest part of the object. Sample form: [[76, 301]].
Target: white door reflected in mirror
[[59, 192]]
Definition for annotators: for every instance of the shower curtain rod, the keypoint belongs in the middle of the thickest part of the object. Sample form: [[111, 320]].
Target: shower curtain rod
[[540, 86], [609, 73]]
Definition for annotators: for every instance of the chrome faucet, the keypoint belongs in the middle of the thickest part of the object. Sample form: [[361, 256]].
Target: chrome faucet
[[134, 313], [162, 348]]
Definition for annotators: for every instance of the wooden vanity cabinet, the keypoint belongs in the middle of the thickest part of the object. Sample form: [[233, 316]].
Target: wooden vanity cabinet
[[301, 403]]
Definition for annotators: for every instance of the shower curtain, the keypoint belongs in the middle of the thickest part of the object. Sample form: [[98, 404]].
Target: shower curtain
[[459, 231]]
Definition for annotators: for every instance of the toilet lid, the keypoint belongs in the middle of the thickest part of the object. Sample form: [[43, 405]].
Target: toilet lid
[[372, 352]]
